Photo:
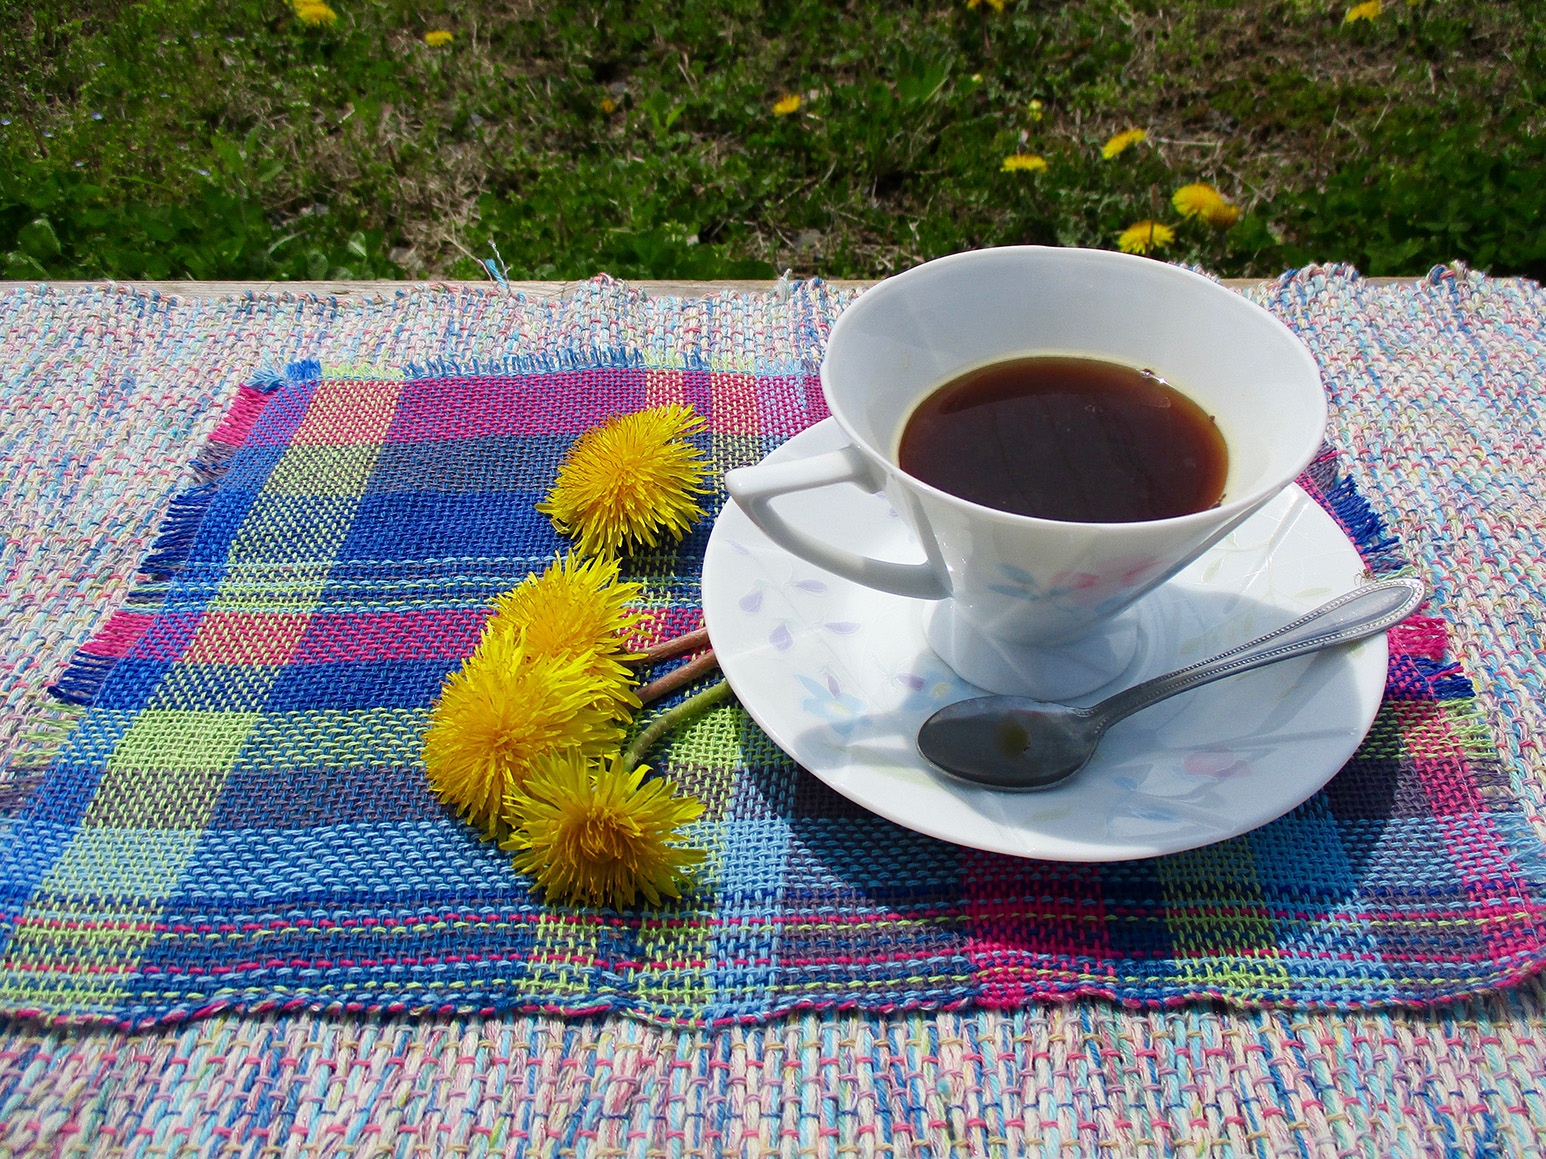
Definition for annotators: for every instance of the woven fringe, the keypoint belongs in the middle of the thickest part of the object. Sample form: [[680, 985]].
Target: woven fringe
[[123, 630], [39, 748], [1352, 512], [1338, 270], [615, 358], [593, 360], [1447, 680], [1469, 726], [83, 679], [179, 529], [15, 792], [265, 381], [237, 423], [214, 461], [305, 370], [88, 670]]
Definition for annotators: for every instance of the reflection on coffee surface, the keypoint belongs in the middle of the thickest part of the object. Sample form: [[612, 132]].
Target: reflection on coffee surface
[[1067, 438]]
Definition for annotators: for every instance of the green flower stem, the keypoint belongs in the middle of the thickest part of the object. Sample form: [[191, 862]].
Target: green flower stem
[[669, 719]]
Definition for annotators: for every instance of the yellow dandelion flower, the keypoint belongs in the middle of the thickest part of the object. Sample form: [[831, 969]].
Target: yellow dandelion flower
[[592, 833], [1196, 200], [1222, 216], [996, 5], [1205, 202], [608, 106], [1368, 10], [1143, 236], [1122, 141], [786, 105], [577, 610], [1024, 163], [631, 481], [314, 12], [507, 706], [438, 38]]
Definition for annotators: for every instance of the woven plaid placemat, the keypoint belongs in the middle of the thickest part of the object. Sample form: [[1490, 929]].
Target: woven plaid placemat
[[239, 817]]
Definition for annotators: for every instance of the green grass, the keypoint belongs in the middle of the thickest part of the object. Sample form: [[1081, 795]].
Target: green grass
[[195, 138]]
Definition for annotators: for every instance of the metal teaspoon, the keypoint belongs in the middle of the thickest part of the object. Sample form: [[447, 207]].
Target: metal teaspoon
[[1012, 742]]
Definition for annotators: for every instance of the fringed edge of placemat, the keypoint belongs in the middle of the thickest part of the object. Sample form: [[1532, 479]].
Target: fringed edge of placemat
[[59, 707], [75, 691], [1439, 674], [1337, 494], [88, 670], [49, 727]]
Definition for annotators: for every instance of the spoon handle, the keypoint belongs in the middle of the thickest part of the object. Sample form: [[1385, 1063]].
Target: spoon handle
[[1361, 612]]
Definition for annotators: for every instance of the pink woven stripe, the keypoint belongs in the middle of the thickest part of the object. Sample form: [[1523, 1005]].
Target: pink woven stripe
[[119, 635], [430, 635], [813, 409], [244, 412], [1424, 636], [588, 399], [1022, 914], [167, 638]]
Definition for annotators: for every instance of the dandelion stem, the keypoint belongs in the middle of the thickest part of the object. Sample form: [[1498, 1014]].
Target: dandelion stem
[[679, 677], [676, 646], [669, 719]]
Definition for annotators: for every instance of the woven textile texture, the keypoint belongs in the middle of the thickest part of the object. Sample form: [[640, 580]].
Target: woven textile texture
[[107, 394], [1059, 1081], [238, 815]]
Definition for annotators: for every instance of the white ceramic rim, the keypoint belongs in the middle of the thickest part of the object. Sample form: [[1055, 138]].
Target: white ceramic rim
[[898, 283]]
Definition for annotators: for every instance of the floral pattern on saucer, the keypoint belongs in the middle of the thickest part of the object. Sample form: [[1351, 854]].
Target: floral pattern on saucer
[[840, 677]]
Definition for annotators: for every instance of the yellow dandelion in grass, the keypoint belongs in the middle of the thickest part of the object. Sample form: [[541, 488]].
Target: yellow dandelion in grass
[[608, 106], [1143, 236], [578, 609], [1205, 202], [1122, 141], [314, 12], [630, 482], [593, 833], [438, 38], [786, 105], [996, 5], [1368, 10], [1023, 163], [505, 708]]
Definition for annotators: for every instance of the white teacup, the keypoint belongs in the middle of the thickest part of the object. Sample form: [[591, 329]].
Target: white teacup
[[1023, 605]]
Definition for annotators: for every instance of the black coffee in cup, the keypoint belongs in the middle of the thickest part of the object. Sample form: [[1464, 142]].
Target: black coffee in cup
[[1067, 438]]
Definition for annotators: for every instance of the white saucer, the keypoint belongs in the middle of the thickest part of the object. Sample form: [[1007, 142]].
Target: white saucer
[[839, 676]]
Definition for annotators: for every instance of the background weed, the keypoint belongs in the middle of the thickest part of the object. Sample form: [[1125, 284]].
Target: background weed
[[225, 140]]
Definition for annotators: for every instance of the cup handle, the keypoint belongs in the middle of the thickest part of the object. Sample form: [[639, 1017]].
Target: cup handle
[[754, 489]]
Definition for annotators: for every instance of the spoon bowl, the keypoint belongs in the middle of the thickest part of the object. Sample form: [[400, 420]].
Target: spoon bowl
[[1016, 743]]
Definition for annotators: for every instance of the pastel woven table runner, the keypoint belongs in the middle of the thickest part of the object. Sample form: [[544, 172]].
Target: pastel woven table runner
[[238, 816]]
